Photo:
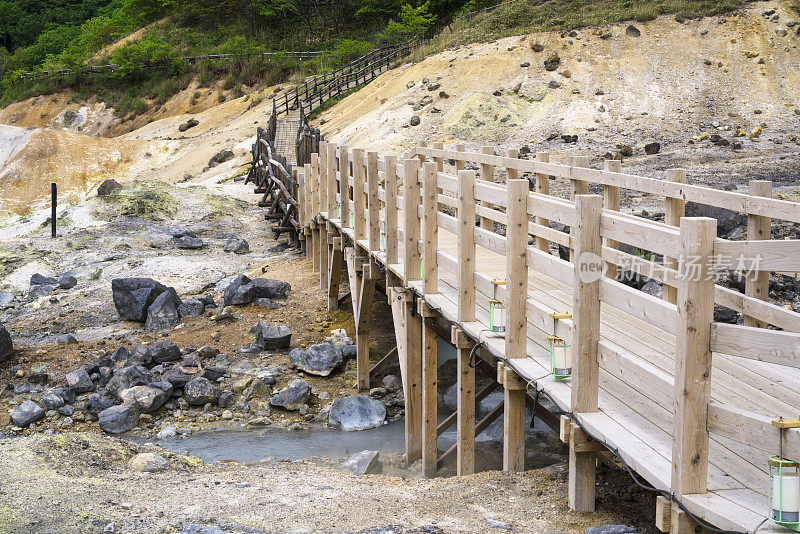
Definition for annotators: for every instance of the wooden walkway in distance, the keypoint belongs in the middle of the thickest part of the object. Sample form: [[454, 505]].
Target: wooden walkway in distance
[[686, 402]]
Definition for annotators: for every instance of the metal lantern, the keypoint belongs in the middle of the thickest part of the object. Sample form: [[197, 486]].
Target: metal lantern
[[383, 240], [497, 310], [560, 351], [784, 483]]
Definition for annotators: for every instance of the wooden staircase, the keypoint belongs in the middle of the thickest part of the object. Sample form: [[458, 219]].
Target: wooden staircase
[[286, 136]]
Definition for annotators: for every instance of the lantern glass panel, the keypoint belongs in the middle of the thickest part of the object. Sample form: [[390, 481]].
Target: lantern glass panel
[[560, 358], [497, 316], [784, 492], [383, 241]]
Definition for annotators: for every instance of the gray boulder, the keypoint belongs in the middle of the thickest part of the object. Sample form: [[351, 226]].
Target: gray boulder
[[147, 397], [148, 462], [66, 339], [239, 291], [79, 381], [190, 243], [320, 360], [97, 403], [165, 351], [191, 308], [270, 337], [126, 377], [67, 281], [42, 285], [52, 400], [178, 377], [391, 382], [133, 296], [200, 391], [727, 220], [119, 418], [357, 413], [268, 288], [236, 245], [26, 413], [108, 187], [364, 463], [163, 312], [6, 346], [6, 299], [293, 396]]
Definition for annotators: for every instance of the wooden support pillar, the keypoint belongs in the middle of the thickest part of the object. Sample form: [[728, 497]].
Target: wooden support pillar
[[360, 227], [542, 187], [324, 265], [611, 201], [465, 420], [675, 209], [373, 204], [335, 273], [411, 228], [413, 376], [344, 185], [430, 230], [693, 356], [322, 181], [758, 228], [585, 335], [430, 414], [487, 174], [391, 210], [513, 421], [577, 187], [366, 292], [315, 241], [466, 246]]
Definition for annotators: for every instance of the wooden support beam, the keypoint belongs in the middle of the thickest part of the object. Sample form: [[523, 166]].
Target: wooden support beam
[[344, 185], [335, 273], [585, 335], [513, 420], [430, 367], [373, 204], [411, 229], [451, 419], [384, 362], [413, 376], [391, 210], [542, 187], [324, 265], [681, 523], [465, 429], [580, 441], [466, 246], [366, 292], [430, 230], [758, 228], [611, 201], [663, 513], [564, 429], [482, 425], [693, 356], [675, 209]]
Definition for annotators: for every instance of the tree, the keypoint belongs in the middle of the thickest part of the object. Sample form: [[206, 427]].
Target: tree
[[413, 21]]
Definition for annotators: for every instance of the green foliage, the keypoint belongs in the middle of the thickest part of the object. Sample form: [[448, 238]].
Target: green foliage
[[152, 49], [345, 51], [413, 21]]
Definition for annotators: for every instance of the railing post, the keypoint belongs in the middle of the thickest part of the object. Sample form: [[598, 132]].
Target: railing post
[[675, 209], [611, 201], [322, 183], [344, 185], [466, 246], [542, 187], [391, 209], [314, 249], [693, 356], [585, 335], [373, 204], [358, 194], [332, 185], [487, 174], [430, 235], [758, 228], [411, 260], [460, 163], [577, 187], [439, 161]]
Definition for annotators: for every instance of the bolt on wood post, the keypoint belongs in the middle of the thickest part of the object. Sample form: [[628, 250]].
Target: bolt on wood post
[[542, 187], [411, 195], [758, 228], [675, 210], [611, 201], [344, 186], [585, 335], [391, 209], [466, 246], [693, 356], [430, 230], [373, 203]]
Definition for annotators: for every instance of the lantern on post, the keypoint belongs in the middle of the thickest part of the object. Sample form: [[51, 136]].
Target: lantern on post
[[560, 351], [497, 310], [784, 482], [383, 239]]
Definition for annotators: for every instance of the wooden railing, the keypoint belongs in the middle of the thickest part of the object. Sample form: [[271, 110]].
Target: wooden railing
[[365, 196]]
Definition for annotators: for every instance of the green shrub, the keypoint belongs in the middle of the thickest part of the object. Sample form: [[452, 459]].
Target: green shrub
[[132, 56], [413, 21], [229, 83]]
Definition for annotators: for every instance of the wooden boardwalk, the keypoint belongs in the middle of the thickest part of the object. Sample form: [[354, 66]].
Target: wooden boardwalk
[[686, 402]]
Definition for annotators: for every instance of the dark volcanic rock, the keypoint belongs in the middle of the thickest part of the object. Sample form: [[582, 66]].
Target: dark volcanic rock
[[67, 281], [133, 375], [220, 157], [727, 220], [552, 62], [79, 381], [293, 396], [652, 148], [97, 403], [26, 413], [320, 359], [108, 187], [239, 291], [190, 243], [120, 418], [191, 307], [200, 391], [6, 345], [269, 337], [165, 351], [133, 296], [357, 413], [148, 398], [236, 245], [163, 312], [270, 289]]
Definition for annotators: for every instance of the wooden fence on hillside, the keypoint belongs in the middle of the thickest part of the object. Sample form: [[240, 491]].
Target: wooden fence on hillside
[[642, 369]]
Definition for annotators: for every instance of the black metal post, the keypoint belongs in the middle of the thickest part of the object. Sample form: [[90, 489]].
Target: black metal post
[[53, 204]]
